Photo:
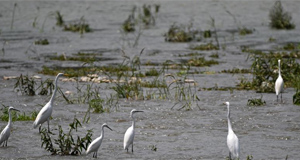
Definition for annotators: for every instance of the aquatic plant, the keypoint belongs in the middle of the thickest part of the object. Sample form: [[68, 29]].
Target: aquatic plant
[[244, 31], [201, 62], [41, 42], [17, 116], [214, 55], [153, 147], [65, 143], [59, 19], [143, 16], [182, 33], [13, 16], [205, 47], [256, 102], [236, 70], [279, 18], [25, 85]]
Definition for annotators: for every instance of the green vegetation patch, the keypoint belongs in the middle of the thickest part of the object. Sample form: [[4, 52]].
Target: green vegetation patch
[[256, 102], [205, 47], [244, 31], [201, 62], [236, 70], [279, 18], [17, 116], [41, 42]]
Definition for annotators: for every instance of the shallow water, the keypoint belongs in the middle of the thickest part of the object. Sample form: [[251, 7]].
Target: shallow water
[[268, 132]]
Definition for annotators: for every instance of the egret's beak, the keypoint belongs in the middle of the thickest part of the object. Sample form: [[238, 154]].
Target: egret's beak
[[108, 128], [139, 111]]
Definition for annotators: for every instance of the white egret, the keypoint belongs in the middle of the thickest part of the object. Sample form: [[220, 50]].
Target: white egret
[[232, 139], [129, 134], [279, 83], [95, 145], [46, 111], [6, 131]]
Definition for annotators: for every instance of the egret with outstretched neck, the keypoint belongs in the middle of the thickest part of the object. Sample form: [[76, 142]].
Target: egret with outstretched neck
[[232, 139], [129, 134], [46, 112], [6, 131], [95, 145], [279, 83]]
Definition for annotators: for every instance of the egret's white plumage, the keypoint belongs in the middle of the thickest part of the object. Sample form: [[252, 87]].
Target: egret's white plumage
[[45, 113], [95, 145], [232, 139], [279, 83], [6, 131], [129, 134]]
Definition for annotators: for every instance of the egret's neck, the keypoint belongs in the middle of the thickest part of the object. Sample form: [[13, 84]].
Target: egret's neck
[[228, 118], [9, 118], [279, 70], [55, 89], [133, 122], [102, 132]]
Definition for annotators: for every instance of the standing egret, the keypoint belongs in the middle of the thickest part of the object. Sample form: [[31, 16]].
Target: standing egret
[[279, 83], [95, 145], [46, 111], [232, 139], [129, 134], [6, 131]]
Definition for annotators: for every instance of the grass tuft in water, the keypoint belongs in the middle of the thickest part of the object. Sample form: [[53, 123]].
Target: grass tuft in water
[[41, 42], [279, 18], [256, 102], [205, 47], [65, 143]]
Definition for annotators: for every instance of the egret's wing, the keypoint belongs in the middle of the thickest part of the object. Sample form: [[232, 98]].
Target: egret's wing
[[94, 146], [4, 134], [43, 115], [128, 137]]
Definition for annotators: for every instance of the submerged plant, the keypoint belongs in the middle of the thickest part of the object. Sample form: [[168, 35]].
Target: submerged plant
[[181, 33], [65, 143], [25, 85], [256, 102], [205, 47], [279, 18], [41, 42]]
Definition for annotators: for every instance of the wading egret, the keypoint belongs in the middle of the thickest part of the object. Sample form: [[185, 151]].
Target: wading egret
[[279, 83], [129, 134], [95, 145], [46, 111], [232, 139], [6, 131]]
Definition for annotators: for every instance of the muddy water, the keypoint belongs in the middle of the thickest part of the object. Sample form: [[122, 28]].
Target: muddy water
[[268, 132]]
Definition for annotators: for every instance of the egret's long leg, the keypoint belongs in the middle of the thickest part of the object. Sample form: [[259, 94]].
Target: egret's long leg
[[277, 98], [132, 147], [229, 156], [281, 97], [48, 124], [127, 150]]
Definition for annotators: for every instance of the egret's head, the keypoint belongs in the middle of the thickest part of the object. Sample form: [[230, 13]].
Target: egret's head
[[134, 111], [12, 108], [60, 74], [227, 103], [105, 125]]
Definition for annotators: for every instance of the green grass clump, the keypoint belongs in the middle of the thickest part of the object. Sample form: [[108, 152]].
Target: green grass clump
[[41, 42], [279, 18], [59, 19], [177, 33], [256, 102], [237, 70], [201, 62], [152, 72], [291, 46], [205, 47], [17, 116], [87, 59], [215, 55], [65, 143], [244, 31]]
